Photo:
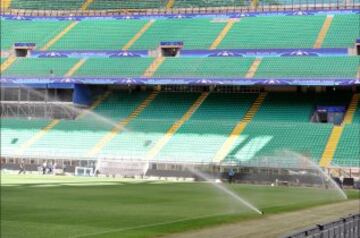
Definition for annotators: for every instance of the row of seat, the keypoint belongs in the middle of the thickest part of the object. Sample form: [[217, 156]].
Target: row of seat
[[238, 3], [308, 67], [269, 138], [148, 4], [348, 149], [274, 32], [275, 128], [150, 126], [291, 32], [76, 138], [15, 132], [202, 136], [39, 32], [357, 116], [200, 33], [76, 4], [40, 67], [187, 67], [46, 4]]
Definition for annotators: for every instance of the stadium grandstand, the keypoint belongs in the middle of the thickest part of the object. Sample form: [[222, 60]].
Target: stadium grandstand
[[151, 88]]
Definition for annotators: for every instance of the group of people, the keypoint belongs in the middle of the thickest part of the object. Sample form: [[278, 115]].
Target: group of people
[[48, 167]]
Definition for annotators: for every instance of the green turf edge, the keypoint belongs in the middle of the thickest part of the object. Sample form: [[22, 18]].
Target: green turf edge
[[200, 223]]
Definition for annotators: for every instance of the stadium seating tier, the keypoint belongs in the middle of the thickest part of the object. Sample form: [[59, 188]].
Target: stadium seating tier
[[151, 4], [192, 67], [16, 131], [273, 32], [127, 4], [213, 3], [204, 67], [38, 32], [145, 131], [308, 67], [40, 67], [200, 137], [273, 138], [343, 31], [112, 67], [105, 35], [88, 130], [348, 150], [196, 33], [46, 4], [275, 128]]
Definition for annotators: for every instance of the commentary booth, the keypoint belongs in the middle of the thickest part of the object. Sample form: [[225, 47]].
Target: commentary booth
[[170, 48], [23, 49]]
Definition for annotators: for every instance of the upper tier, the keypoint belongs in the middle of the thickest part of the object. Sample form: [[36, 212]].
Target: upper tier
[[156, 4], [259, 32]]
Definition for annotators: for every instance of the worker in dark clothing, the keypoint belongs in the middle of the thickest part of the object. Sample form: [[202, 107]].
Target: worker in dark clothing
[[22, 167], [231, 175], [44, 167]]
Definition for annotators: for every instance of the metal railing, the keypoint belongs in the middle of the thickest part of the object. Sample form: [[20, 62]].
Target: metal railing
[[262, 6], [347, 227]]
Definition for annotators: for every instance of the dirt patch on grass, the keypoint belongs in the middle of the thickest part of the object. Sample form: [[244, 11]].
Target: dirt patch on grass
[[276, 225]]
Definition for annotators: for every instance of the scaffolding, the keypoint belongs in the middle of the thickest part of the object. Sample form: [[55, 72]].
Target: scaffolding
[[37, 103]]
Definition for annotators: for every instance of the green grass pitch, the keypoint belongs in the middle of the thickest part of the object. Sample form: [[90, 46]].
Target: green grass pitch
[[35, 206]]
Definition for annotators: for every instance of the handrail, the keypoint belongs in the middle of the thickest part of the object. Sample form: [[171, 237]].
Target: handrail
[[193, 10], [351, 222]]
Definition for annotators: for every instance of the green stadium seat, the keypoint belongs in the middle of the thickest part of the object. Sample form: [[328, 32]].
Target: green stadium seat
[[290, 107], [76, 138], [308, 67], [16, 131], [273, 32], [348, 150], [270, 138], [343, 32], [38, 32], [211, 67], [195, 33], [99, 35], [142, 133], [114, 67], [127, 4], [357, 115], [281, 124], [213, 3], [40, 67], [200, 137], [188, 67], [47, 4]]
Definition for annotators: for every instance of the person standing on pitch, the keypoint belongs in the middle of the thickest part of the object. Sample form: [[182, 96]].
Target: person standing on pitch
[[22, 167], [44, 166], [231, 175]]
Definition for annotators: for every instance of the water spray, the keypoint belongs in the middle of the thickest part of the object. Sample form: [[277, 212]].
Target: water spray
[[222, 188], [79, 111], [305, 160]]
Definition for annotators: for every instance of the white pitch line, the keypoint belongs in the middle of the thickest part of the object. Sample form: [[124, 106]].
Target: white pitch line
[[151, 225], [44, 185]]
